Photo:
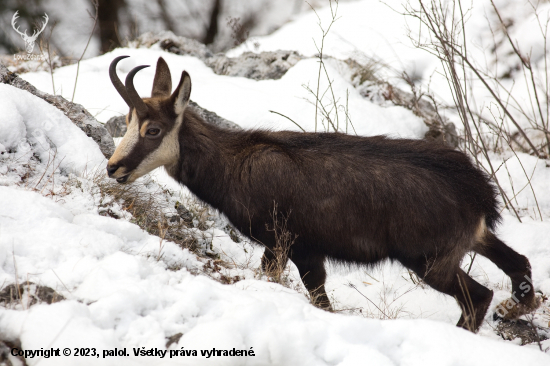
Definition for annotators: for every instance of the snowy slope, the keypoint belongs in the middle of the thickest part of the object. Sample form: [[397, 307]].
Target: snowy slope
[[364, 30], [119, 297], [126, 288], [377, 32]]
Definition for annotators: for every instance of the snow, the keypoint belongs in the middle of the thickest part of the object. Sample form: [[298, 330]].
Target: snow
[[128, 299], [30, 120], [126, 288], [364, 30], [377, 33], [243, 101]]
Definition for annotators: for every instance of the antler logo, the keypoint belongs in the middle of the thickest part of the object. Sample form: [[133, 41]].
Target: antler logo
[[29, 40]]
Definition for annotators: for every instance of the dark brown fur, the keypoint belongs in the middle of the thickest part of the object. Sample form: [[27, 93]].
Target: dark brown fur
[[354, 200]]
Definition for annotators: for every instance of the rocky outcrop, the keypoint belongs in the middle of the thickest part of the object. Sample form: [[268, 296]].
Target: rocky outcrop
[[364, 78], [213, 118], [439, 128], [257, 66], [75, 112], [116, 126]]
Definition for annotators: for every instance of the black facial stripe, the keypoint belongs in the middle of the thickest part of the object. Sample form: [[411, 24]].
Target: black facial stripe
[[160, 116], [143, 148]]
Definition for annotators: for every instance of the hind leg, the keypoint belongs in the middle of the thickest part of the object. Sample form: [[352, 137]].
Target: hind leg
[[313, 275], [517, 267], [473, 298]]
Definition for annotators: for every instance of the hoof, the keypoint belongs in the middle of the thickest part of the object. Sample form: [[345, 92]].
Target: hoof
[[323, 305], [511, 309]]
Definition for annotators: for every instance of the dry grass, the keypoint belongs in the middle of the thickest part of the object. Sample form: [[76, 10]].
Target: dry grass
[[387, 306], [363, 73], [184, 220], [277, 269], [150, 210], [185, 223], [23, 296]]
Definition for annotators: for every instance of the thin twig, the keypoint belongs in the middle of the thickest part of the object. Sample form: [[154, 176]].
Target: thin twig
[[66, 288], [356, 289], [290, 119], [324, 33], [96, 7]]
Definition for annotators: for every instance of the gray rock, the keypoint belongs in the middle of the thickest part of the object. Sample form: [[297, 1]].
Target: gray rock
[[75, 112], [257, 66], [213, 118], [168, 41], [440, 129], [116, 126]]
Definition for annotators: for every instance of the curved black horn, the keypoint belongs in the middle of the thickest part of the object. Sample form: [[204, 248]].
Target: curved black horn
[[136, 100], [120, 88]]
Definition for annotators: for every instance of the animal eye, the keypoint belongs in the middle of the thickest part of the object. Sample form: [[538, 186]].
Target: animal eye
[[153, 131]]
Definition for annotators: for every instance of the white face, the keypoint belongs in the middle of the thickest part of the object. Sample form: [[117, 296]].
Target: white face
[[139, 152], [125, 147]]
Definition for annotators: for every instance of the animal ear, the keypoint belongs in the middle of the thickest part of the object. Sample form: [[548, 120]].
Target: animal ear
[[162, 85], [180, 98]]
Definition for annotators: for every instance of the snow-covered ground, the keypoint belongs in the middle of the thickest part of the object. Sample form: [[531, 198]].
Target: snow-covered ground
[[128, 289]]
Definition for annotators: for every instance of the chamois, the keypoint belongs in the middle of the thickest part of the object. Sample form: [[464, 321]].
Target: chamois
[[348, 199]]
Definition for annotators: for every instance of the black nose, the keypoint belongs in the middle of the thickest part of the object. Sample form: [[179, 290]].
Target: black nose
[[111, 169]]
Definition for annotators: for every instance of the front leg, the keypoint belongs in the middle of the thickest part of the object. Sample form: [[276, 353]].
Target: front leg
[[313, 274]]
